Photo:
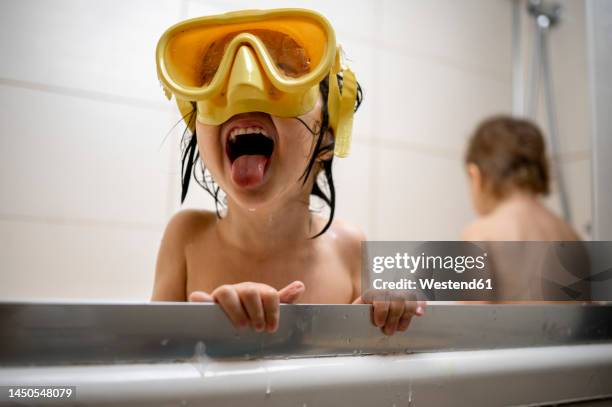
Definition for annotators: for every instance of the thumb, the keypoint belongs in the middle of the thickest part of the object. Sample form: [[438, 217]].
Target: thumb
[[200, 296], [359, 300], [292, 292]]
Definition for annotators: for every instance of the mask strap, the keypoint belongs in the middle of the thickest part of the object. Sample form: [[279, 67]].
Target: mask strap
[[345, 113], [184, 107], [341, 105]]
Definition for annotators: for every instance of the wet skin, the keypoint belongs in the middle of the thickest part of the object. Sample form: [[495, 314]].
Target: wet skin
[[261, 252]]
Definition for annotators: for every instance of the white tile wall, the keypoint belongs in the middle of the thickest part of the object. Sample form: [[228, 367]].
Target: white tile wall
[[418, 196], [88, 185], [108, 47], [71, 157], [470, 34], [352, 179], [424, 102], [76, 260], [569, 59], [354, 19]]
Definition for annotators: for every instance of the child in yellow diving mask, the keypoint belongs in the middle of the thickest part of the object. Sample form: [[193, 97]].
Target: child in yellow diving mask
[[267, 105]]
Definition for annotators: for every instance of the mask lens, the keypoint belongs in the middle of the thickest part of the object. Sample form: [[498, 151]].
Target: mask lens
[[290, 58]]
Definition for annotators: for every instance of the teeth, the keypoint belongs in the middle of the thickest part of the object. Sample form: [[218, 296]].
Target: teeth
[[247, 130]]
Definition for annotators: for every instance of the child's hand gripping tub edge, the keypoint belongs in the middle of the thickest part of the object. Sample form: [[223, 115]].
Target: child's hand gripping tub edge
[[253, 304], [257, 305]]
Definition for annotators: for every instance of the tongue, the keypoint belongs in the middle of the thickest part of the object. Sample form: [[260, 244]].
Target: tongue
[[248, 170]]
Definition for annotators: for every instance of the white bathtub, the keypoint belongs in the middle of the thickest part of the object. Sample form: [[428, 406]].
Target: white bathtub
[[188, 354]]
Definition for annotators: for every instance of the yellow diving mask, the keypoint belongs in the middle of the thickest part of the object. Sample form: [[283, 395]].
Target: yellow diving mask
[[268, 61]]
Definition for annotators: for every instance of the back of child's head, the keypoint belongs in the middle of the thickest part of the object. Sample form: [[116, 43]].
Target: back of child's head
[[511, 155]]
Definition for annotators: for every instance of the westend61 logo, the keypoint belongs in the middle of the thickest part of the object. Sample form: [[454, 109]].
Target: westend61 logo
[[412, 264], [488, 271], [426, 282]]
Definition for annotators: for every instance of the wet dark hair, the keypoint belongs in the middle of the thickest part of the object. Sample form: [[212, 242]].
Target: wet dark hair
[[511, 154], [322, 146]]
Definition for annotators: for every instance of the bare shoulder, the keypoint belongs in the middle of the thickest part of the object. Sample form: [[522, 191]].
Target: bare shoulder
[[188, 223], [475, 231], [171, 268], [349, 236], [348, 239], [564, 231]]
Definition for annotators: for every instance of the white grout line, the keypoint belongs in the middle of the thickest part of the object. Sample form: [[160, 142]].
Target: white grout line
[[80, 222], [88, 94], [397, 47], [454, 154], [414, 53]]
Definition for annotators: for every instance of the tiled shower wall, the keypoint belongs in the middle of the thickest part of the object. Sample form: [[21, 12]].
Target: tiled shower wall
[[89, 159]]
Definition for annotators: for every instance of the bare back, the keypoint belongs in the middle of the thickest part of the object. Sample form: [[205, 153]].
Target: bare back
[[523, 218]]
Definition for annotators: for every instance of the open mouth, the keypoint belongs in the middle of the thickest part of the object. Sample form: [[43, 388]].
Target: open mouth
[[249, 150], [249, 141]]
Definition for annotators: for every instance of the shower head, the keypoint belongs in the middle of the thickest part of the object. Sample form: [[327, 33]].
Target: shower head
[[547, 14]]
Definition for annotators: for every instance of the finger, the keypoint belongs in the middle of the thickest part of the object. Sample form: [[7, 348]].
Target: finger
[[291, 293], [411, 307], [404, 322], [200, 296], [227, 297], [368, 296], [380, 312], [396, 310], [251, 301], [359, 300], [271, 305], [421, 306]]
